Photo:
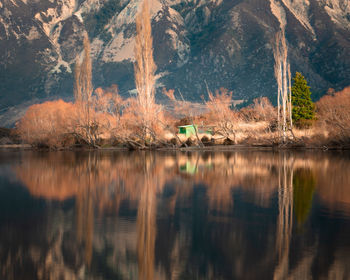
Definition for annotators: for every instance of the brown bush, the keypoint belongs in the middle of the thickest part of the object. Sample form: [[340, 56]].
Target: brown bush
[[220, 115], [58, 124], [333, 114], [134, 128], [47, 123], [260, 110]]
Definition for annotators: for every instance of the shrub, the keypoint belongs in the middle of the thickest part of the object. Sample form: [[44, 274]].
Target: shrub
[[334, 114], [220, 115], [47, 123], [260, 110], [57, 123]]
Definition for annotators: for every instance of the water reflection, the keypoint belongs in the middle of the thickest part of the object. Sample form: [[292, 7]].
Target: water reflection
[[285, 215], [304, 183], [103, 215]]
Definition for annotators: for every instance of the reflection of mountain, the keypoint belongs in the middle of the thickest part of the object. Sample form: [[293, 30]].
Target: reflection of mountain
[[139, 216]]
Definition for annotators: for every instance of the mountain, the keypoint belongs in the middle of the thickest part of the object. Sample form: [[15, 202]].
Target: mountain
[[221, 43]]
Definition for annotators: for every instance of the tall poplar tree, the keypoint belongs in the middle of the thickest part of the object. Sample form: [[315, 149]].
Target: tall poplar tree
[[144, 68]]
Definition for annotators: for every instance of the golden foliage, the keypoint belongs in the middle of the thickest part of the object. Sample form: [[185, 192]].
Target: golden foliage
[[47, 123], [334, 115], [58, 124]]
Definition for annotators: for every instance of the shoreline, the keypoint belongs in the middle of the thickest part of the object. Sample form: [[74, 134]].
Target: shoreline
[[212, 148]]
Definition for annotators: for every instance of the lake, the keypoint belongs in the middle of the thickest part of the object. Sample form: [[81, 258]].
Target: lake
[[174, 215]]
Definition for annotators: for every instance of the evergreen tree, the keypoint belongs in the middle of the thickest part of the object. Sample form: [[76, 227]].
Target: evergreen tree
[[303, 108]]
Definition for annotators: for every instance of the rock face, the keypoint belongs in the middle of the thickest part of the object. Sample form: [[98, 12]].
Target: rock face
[[222, 43]]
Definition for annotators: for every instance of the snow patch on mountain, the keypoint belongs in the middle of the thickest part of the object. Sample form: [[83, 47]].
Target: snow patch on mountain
[[339, 12], [53, 16], [5, 26], [300, 10], [119, 49], [61, 63], [175, 17], [89, 6], [279, 12], [122, 26], [127, 16], [33, 34]]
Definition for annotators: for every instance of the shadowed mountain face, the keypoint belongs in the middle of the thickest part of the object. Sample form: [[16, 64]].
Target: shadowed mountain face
[[226, 43]]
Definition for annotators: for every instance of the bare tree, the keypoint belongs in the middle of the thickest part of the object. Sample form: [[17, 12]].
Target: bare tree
[[283, 77], [77, 86], [260, 110], [83, 75], [145, 68], [83, 90], [220, 113]]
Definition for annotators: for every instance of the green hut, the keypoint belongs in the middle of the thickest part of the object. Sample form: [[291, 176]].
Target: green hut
[[188, 130]]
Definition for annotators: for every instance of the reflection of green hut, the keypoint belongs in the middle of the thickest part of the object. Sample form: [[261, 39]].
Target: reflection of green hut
[[192, 168], [189, 168], [188, 130]]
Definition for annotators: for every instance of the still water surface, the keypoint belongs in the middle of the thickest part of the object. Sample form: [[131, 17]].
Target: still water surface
[[219, 215]]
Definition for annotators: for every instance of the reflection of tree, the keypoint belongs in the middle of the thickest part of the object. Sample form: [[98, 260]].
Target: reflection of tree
[[295, 190], [101, 183], [304, 186], [285, 217], [85, 212], [146, 223], [195, 209]]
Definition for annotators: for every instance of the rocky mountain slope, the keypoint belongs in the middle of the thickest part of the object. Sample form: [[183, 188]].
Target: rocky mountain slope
[[224, 43]]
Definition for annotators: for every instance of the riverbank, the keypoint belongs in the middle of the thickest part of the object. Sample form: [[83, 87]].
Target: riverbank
[[244, 135], [211, 148], [16, 146]]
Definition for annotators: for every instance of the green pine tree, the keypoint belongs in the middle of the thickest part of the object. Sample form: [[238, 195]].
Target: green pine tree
[[303, 111]]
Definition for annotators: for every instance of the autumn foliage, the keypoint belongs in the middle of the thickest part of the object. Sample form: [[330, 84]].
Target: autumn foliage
[[58, 123], [111, 118], [48, 123], [334, 115], [114, 120]]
